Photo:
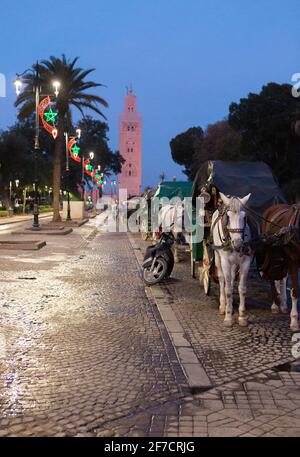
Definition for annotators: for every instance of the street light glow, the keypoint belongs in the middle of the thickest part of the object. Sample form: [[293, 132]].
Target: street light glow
[[18, 85], [78, 133], [92, 155], [56, 85]]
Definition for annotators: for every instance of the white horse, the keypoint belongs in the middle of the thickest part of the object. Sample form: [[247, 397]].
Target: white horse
[[170, 219], [230, 232]]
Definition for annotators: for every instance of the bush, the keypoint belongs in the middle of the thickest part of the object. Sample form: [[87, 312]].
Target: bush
[[18, 209], [45, 209], [3, 213]]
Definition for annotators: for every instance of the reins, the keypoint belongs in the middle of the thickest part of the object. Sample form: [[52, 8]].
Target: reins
[[261, 217]]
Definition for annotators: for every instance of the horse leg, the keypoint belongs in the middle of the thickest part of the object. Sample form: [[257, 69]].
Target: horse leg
[[244, 270], [275, 298], [222, 306], [226, 267], [283, 297], [294, 296], [176, 258], [233, 272]]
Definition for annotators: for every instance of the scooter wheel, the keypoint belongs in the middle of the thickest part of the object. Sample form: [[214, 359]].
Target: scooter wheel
[[157, 274]]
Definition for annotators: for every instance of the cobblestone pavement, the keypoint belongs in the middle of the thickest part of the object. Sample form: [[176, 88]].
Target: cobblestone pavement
[[252, 396], [228, 354], [87, 353], [83, 344], [266, 405]]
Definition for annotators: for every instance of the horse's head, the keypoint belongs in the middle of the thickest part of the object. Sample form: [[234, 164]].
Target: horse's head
[[236, 222]]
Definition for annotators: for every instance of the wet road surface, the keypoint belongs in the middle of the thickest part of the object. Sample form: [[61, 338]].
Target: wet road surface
[[83, 345]]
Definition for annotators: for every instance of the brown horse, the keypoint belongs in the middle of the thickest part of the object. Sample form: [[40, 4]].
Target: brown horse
[[281, 225]]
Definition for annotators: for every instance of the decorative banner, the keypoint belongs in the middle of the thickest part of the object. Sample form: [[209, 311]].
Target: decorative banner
[[98, 178], [74, 150], [88, 168], [49, 116]]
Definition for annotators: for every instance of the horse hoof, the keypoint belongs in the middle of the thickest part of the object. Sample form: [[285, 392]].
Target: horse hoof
[[228, 322], [222, 311], [275, 310], [243, 321], [284, 310], [295, 327]]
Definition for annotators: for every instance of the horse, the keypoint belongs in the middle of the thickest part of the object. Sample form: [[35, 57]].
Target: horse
[[281, 224], [231, 235], [170, 219]]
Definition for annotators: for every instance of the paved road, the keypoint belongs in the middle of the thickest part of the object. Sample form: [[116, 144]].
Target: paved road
[[84, 346], [87, 353]]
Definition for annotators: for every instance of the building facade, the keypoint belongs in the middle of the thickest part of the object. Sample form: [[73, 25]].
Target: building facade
[[130, 146]]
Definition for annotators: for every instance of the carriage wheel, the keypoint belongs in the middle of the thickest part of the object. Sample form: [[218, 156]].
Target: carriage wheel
[[193, 265], [206, 279]]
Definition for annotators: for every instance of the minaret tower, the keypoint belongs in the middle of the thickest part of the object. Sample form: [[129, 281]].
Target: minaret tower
[[130, 146]]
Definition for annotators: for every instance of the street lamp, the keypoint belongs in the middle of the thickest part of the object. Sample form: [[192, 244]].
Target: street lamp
[[56, 85], [18, 85], [91, 155], [78, 135], [10, 194], [37, 90], [68, 178]]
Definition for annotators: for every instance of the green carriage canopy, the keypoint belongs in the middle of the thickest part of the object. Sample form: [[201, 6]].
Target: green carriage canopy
[[239, 179], [172, 189]]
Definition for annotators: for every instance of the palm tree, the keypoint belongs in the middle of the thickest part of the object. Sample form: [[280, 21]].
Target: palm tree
[[72, 93]]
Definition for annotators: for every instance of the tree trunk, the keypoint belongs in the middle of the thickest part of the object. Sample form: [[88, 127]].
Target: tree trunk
[[57, 171]]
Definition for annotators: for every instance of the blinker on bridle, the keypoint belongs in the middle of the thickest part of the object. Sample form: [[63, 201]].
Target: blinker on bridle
[[234, 230]]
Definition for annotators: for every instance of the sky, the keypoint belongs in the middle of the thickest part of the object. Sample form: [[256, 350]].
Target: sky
[[187, 60]]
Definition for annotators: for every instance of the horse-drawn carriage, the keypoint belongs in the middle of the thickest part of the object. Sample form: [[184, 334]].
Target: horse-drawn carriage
[[229, 178], [166, 190]]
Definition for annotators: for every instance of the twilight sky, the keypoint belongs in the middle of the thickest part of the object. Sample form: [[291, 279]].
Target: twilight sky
[[186, 59]]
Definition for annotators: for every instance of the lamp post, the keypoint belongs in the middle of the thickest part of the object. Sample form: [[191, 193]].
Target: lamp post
[[91, 156], [10, 195], [68, 178], [78, 135], [37, 91]]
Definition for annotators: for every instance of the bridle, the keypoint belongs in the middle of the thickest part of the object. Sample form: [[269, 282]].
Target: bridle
[[226, 240]]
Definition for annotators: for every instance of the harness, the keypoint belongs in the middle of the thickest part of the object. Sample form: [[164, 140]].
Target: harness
[[226, 242]]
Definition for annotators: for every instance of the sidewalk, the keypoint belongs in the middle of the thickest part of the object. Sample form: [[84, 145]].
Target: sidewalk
[[252, 394], [21, 218]]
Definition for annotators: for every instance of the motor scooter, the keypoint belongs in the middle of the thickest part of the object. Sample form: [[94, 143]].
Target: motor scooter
[[159, 260]]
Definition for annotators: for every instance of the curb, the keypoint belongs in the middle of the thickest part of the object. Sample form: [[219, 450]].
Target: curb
[[196, 377]]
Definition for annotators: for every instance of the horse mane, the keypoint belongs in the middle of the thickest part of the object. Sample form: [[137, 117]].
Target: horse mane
[[235, 205]]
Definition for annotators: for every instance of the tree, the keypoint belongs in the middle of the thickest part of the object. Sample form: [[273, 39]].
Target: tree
[[16, 158], [72, 93], [266, 123], [94, 138], [183, 147], [219, 142]]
